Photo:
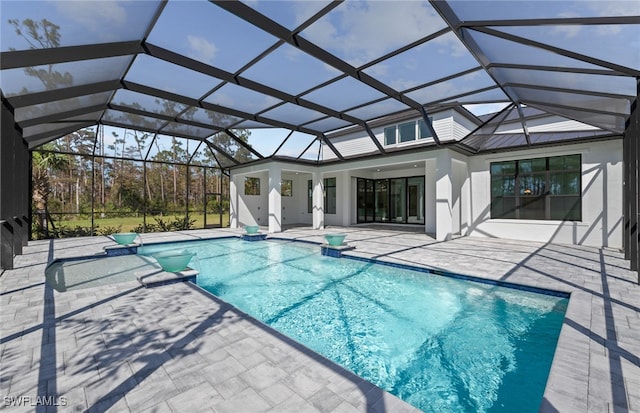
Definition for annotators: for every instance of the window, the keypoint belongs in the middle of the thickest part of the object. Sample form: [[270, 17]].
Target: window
[[390, 135], [539, 188], [423, 131], [330, 195], [252, 186], [407, 132], [309, 196], [286, 187]]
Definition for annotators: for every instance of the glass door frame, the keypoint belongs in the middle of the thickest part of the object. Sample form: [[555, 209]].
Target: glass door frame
[[370, 187]]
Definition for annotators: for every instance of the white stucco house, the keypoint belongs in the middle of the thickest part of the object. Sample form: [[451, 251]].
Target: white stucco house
[[570, 192]]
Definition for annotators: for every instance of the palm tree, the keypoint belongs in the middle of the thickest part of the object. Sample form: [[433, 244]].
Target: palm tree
[[43, 164]]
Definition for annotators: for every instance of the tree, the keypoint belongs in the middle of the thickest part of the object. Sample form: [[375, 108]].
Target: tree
[[226, 143], [44, 163], [42, 34]]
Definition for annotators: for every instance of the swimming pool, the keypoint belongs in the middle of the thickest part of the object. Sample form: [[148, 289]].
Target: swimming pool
[[439, 343]]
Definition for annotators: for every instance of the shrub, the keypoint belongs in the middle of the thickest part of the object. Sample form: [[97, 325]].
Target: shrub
[[108, 230], [178, 224], [70, 232], [162, 225]]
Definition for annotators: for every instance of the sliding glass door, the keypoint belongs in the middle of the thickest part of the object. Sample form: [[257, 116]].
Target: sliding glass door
[[396, 200], [415, 189], [382, 200], [366, 200]]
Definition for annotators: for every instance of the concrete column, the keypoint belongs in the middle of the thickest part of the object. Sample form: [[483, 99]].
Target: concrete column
[[465, 199], [233, 202], [444, 195], [344, 197], [430, 196], [318, 201], [275, 199]]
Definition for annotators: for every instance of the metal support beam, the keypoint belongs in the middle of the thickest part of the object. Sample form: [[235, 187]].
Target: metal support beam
[[7, 164], [309, 146], [6, 245], [252, 16], [37, 57], [243, 143], [563, 21], [61, 116], [326, 140], [213, 146], [564, 52], [195, 152], [14, 181], [495, 120], [49, 96], [282, 143], [216, 108], [631, 201], [523, 122], [374, 139], [589, 71], [450, 17], [427, 122]]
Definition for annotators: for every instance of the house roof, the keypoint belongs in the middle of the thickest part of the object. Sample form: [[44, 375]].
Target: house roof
[[198, 69]]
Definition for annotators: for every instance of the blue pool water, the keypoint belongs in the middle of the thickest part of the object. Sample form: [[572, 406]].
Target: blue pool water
[[439, 343]]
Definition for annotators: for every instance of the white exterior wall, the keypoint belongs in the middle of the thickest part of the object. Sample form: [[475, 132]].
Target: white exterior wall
[[360, 142], [255, 209], [457, 194], [545, 124], [601, 223], [294, 208], [444, 195], [430, 219], [461, 127], [342, 217], [443, 125], [250, 209], [460, 197], [352, 144], [275, 198]]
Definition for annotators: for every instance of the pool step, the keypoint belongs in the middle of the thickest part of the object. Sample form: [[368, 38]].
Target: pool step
[[156, 277]]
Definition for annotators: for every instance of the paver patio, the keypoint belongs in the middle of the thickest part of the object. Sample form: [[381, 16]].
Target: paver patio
[[177, 348]]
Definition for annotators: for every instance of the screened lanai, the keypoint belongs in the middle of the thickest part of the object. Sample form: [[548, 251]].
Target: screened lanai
[[243, 82]]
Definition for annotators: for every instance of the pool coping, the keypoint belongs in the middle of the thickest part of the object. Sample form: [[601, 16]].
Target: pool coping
[[424, 270], [517, 286]]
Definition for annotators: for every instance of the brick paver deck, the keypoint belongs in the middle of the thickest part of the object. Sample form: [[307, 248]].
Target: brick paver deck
[[177, 348]]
